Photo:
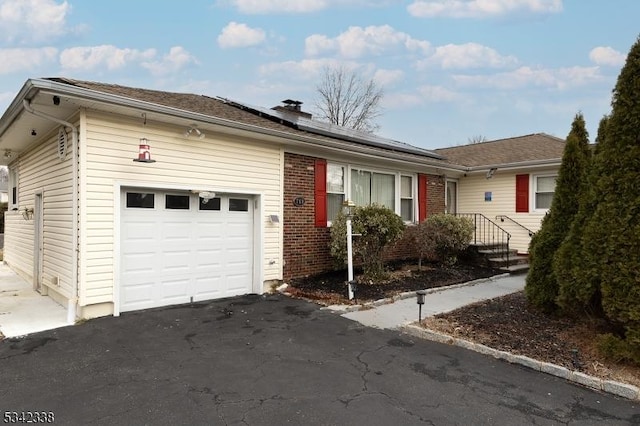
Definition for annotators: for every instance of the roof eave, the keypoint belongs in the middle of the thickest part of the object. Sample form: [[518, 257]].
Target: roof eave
[[32, 86], [517, 165]]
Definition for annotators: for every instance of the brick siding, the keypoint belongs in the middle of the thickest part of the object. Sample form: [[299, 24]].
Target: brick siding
[[306, 247]]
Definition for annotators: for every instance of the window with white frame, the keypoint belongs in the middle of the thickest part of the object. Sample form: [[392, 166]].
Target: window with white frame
[[13, 189], [335, 189], [364, 187], [372, 188], [543, 189], [406, 198]]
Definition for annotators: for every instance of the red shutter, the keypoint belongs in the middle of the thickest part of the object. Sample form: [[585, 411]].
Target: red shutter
[[522, 193], [422, 197], [320, 193]]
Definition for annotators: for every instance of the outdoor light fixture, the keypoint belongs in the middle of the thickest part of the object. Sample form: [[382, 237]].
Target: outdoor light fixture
[[194, 130], [353, 286], [7, 153], [491, 172], [206, 196], [420, 294], [144, 152], [27, 213]]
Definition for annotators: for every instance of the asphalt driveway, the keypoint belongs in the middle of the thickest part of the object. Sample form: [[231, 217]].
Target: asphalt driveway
[[270, 360]]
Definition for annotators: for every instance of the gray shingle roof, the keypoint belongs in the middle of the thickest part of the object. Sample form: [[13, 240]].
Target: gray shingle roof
[[528, 148], [233, 111]]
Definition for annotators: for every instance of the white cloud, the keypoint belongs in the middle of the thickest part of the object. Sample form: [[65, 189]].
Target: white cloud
[[523, 77], [240, 35], [278, 6], [111, 57], [175, 60], [606, 56], [13, 60], [306, 69], [481, 8], [387, 77], [420, 96], [359, 41], [469, 55], [437, 94], [32, 20]]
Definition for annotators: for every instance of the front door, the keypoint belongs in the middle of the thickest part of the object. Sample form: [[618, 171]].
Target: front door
[[452, 197], [38, 246]]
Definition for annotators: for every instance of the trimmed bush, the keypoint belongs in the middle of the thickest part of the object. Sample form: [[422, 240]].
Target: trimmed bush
[[377, 226], [442, 237]]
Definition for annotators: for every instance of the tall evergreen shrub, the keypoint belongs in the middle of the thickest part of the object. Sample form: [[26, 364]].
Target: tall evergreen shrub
[[612, 234], [575, 295], [541, 283]]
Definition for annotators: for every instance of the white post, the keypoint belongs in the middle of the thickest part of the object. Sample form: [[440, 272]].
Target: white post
[[349, 256]]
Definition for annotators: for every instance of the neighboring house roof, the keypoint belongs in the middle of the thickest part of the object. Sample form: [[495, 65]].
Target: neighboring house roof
[[242, 113], [534, 148]]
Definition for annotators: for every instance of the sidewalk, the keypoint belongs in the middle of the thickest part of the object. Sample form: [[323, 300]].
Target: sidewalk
[[23, 310], [404, 311]]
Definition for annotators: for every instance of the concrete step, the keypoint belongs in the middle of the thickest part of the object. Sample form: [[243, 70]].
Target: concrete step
[[521, 268], [498, 262], [497, 252], [488, 246]]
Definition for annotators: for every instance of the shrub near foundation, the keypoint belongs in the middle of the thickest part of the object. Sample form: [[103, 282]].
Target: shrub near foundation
[[442, 237], [376, 227]]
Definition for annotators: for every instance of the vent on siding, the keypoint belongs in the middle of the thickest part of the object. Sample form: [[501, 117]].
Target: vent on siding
[[62, 143]]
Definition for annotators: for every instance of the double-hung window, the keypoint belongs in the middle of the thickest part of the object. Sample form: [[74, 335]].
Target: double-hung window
[[543, 189], [13, 189], [335, 189], [406, 198]]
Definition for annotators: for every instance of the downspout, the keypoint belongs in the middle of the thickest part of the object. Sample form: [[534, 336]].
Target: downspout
[[72, 307]]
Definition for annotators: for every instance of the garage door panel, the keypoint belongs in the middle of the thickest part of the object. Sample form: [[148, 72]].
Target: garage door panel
[[176, 231], [209, 287], [175, 256], [139, 296], [237, 283], [174, 287]]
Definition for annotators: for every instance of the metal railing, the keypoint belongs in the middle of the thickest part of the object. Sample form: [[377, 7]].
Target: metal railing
[[490, 234], [502, 218]]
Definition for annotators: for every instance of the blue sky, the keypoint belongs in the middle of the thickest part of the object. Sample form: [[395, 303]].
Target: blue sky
[[451, 70]]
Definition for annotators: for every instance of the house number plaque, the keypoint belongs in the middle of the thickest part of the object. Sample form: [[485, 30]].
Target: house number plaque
[[298, 201]]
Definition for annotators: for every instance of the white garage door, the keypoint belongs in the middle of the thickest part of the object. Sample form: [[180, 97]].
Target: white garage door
[[178, 248]]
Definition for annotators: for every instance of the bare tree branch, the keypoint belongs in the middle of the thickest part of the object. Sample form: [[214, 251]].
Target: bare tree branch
[[347, 100]]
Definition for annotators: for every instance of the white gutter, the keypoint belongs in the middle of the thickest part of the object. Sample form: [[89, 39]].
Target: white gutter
[[72, 307], [516, 165]]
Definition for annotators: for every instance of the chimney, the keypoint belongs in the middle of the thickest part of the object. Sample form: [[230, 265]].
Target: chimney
[[292, 107]]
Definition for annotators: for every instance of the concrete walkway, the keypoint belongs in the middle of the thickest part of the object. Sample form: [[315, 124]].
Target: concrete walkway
[[23, 310], [404, 311]]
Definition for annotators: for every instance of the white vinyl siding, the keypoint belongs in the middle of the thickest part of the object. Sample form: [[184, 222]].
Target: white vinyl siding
[[502, 186], [221, 164], [40, 169]]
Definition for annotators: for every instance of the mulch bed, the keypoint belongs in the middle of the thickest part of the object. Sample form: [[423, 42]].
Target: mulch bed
[[331, 288]]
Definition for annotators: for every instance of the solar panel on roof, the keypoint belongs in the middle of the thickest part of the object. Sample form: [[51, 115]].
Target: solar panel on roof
[[339, 132]]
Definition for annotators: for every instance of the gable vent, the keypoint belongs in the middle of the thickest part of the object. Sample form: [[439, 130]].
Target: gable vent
[[62, 143]]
